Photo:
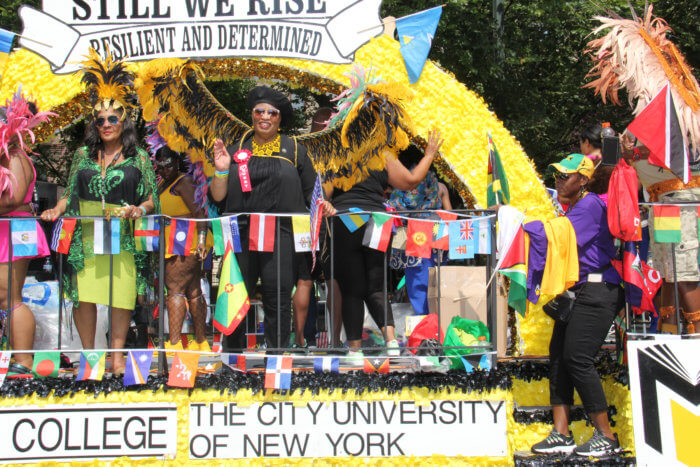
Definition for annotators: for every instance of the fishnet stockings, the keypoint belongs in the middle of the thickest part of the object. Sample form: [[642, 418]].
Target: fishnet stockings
[[182, 278]]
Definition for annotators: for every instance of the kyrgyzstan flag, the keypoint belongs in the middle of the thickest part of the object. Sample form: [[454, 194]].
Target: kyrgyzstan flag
[[658, 128], [420, 238], [262, 232]]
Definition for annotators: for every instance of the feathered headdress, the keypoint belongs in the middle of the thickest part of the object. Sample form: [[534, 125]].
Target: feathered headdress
[[109, 83], [18, 120], [635, 54]]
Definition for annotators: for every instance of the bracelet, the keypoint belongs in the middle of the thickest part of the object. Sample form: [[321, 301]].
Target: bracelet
[[220, 174], [637, 154], [202, 237], [143, 209]]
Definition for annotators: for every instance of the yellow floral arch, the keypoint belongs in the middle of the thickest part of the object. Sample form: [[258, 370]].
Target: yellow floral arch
[[440, 101]]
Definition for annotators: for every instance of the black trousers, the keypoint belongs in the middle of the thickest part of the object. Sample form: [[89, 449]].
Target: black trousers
[[260, 265], [360, 274], [575, 344]]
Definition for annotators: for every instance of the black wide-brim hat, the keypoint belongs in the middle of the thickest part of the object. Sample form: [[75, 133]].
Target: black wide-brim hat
[[267, 95]]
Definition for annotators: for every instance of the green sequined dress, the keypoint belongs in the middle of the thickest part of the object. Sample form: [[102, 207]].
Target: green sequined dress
[[130, 181]]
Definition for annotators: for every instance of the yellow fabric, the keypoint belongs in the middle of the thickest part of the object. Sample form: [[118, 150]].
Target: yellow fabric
[[561, 267], [93, 279], [173, 205]]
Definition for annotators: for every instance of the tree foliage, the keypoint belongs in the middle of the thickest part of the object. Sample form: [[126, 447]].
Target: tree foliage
[[530, 73]]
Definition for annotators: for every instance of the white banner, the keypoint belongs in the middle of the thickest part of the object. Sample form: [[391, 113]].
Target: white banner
[[665, 387], [321, 30], [88, 431], [341, 429]]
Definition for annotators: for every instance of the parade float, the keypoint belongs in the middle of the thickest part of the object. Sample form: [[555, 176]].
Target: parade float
[[412, 415]]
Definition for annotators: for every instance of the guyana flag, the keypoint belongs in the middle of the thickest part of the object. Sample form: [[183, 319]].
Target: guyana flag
[[232, 303], [497, 191]]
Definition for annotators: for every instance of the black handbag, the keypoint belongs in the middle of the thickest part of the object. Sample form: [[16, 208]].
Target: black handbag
[[559, 308]]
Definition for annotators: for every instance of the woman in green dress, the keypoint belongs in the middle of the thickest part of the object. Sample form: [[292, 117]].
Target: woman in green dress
[[110, 176]]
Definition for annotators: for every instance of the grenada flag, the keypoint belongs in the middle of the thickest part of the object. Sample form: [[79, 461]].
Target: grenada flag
[[232, 303]]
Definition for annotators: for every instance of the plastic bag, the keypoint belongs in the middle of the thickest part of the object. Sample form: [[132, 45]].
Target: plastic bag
[[426, 329], [464, 332]]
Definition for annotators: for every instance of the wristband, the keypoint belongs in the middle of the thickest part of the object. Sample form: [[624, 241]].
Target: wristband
[[220, 174], [143, 209], [637, 154]]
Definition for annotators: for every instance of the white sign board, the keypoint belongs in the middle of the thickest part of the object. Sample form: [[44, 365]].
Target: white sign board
[[322, 30], [664, 381], [341, 429], [88, 431]]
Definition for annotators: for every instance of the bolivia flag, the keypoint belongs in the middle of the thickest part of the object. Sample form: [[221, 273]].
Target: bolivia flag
[[232, 303], [667, 224], [146, 233], [378, 232], [46, 364]]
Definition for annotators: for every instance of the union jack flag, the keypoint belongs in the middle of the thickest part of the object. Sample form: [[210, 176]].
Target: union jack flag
[[466, 232]]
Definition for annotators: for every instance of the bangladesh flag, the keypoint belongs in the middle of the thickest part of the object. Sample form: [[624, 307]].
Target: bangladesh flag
[[232, 302], [46, 364]]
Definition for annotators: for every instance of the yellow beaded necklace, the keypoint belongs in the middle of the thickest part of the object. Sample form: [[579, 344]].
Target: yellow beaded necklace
[[267, 149]]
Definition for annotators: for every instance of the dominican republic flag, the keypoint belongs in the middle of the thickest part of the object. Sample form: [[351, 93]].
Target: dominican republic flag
[[106, 236], [278, 373], [378, 232], [658, 128], [62, 235], [642, 282], [4, 364], [262, 232], [182, 233], [92, 366], [226, 235], [327, 365], [24, 238], [146, 233], [315, 218], [138, 365]]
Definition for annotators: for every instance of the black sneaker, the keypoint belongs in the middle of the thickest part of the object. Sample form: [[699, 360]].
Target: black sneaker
[[555, 443], [598, 446]]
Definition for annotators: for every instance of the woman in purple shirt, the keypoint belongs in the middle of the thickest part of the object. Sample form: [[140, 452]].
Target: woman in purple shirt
[[599, 297]]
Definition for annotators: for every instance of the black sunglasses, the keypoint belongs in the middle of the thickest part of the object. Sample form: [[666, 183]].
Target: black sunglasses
[[561, 176], [112, 119]]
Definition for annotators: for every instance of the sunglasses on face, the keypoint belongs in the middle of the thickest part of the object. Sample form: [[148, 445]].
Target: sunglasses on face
[[165, 163], [271, 112], [561, 176], [112, 119]]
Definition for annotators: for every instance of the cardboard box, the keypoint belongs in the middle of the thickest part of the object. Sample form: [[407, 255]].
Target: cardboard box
[[463, 293]]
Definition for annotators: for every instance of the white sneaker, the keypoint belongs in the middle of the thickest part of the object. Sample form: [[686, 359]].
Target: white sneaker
[[392, 348], [355, 357]]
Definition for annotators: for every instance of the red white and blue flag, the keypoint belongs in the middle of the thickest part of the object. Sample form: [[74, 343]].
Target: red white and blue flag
[[316, 215], [461, 239], [182, 232], [642, 282], [278, 373]]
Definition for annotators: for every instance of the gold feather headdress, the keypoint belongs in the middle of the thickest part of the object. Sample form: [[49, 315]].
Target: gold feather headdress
[[109, 83], [635, 54]]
